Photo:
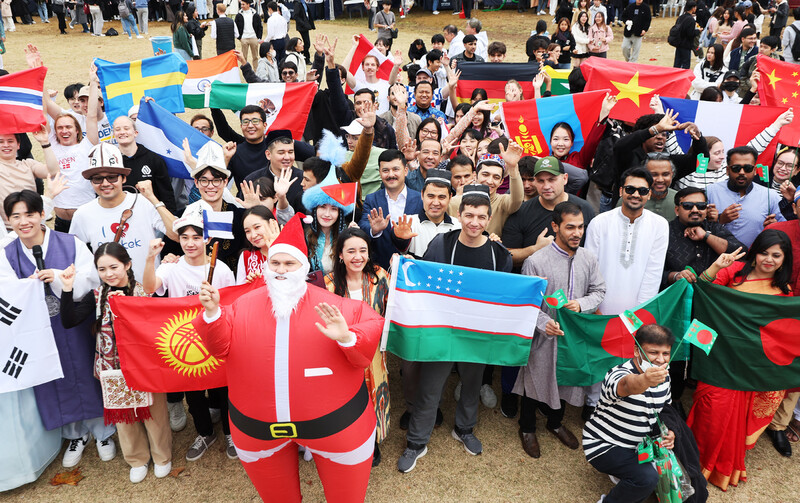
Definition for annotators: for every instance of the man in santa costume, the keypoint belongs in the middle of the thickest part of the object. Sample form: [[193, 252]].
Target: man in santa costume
[[296, 356]]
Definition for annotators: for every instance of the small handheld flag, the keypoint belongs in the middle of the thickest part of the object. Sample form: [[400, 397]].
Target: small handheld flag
[[644, 451], [556, 300], [702, 164], [342, 193], [217, 224], [631, 321], [762, 172], [701, 335]]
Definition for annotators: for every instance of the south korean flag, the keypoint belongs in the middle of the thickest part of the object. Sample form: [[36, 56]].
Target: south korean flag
[[28, 352]]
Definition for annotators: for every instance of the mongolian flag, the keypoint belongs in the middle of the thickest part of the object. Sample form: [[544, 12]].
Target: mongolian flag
[[758, 347], [159, 349], [780, 86], [530, 122], [21, 100], [493, 78], [634, 84]]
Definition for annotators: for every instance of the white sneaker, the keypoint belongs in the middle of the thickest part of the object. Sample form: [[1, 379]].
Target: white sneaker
[[162, 471], [106, 449], [138, 473], [130, 37], [74, 452], [488, 397], [139, 36], [216, 415], [177, 416], [602, 498], [457, 392], [436, 13], [614, 479]]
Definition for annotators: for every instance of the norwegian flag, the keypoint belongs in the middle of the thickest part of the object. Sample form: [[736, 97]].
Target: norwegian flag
[[21, 101], [364, 49]]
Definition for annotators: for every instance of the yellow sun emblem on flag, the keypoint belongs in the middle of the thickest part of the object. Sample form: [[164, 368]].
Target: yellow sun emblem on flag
[[181, 348]]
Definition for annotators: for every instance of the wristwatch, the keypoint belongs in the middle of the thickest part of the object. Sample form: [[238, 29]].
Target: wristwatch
[[705, 237]]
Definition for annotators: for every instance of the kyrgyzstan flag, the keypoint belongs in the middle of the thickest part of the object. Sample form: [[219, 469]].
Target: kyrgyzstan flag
[[364, 49], [159, 349], [21, 100], [634, 84], [734, 124], [202, 72], [342, 193], [530, 122], [780, 86], [593, 343], [493, 77]]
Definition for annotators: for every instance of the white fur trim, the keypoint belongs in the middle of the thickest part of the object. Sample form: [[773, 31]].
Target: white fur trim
[[287, 248]]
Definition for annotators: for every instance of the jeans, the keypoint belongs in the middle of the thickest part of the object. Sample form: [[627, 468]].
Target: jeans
[[142, 13], [198, 409], [435, 5], [630, 48], [636, 482], [42, 8], [612, 13], [370, 18], [129, 25], [683, 58], [606, 203]]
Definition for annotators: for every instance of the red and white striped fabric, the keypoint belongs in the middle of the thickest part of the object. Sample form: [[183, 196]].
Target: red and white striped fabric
[[21, 101], [364, 49]]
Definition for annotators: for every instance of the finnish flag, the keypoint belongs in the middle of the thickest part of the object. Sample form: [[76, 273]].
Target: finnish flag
[[217, 224]]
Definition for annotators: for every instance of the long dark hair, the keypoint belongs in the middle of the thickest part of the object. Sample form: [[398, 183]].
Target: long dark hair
[[731, 18], [178, 22], [312, 236], [583, 27], [260, 211], [119, 252], [292, 45], [339, 272], [765, 240], [429, 120], [718, 62]]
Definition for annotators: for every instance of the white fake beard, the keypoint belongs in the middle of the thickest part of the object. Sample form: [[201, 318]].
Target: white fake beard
[[286, 293]]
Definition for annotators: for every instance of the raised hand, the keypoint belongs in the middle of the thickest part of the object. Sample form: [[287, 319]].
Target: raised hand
[[42, 135], [156, 245], [273, 229], [33, 57], [283, 182], [377, 222], [56, 184], [67, 278], [402, 229], [333, 325], [409, 150], [209, 298], [512, 154], [228, 151], [145, 188], [608, 103], [368, 117], [726, 259], [669, 121], [251, 194]]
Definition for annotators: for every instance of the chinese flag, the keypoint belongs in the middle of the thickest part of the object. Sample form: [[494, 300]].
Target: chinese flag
[[342, 193], [634, 84], [779, 85], [159, 349]]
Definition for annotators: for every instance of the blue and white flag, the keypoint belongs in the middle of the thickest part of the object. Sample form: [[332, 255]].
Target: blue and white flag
[[217, 224]]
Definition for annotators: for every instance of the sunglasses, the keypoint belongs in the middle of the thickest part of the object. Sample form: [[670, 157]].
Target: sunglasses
[[688, 206], [748, 168], [630, 190], [98, 180], [290, 72]]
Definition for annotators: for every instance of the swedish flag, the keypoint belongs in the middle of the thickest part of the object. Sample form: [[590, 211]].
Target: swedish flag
[[125, 84]]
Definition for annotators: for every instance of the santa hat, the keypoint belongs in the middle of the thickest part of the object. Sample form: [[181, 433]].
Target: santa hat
[[291, 240]]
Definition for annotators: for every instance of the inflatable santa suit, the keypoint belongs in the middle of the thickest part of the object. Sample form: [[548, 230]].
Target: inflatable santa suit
[[296, 356]]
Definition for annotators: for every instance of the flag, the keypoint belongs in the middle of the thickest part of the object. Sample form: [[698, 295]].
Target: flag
[[559, 80], [342, 193], [442, 312], [364, 49], [159, 348], [702, 164], [28, 352], [272, 98], [163, 133], [557, 299], [701, 335], [217, 224], [631, 321], [592, 344], [202, 72], [493, 77], [21, 101], [125, 84], [758, 347], [779, 85], [762, 172], [634, 84], [734, 125], [530, 122]]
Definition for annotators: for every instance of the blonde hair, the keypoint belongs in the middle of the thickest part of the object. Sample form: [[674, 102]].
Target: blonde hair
[[74, 120]]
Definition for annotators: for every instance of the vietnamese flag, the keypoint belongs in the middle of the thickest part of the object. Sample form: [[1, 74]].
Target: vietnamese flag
[[780, 86], [342, 193], [593, 344], [757, 348], [634, 84], [493, 78], [159, 349], [530, 122]]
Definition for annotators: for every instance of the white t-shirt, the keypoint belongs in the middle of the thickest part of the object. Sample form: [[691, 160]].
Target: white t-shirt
[[381, 90], [247, 29], [183, 280], [72, 161], [104, 130], [95, 225]]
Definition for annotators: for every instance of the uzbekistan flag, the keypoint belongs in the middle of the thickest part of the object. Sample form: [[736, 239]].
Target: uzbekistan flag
[[530, 122], [735, 125], [493, 78], [21, 101], [125, 84], [559, 80], [271, 97], [634, 84], [780, 86], [442, 312], [203, 72], [364, 49]]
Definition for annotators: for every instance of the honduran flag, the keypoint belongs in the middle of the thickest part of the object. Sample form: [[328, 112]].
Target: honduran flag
[[447, 313], [202, 72], [364, 49], [530, 122], [734, 124], [21, 101], [493, 77]]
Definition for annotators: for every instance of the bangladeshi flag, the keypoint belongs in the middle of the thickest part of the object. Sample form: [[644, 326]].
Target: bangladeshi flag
[[159, 349], [493, 78], [758, 343], [779, 85], [634, 84], [530, 122], [592, 344]]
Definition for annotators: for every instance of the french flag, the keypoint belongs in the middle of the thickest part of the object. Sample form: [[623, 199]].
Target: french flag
[[21, 101], [217, 224], [364, 49], [735, 125]]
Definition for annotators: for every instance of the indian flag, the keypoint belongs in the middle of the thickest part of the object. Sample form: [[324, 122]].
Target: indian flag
[[559, 80], [443, 312], [203, 72], [286, 105]]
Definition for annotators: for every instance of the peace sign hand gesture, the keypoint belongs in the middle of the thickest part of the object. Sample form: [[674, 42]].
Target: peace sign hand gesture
[[726, 259]]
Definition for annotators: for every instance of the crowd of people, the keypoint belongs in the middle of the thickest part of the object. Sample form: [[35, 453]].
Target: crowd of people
[[611, 223]]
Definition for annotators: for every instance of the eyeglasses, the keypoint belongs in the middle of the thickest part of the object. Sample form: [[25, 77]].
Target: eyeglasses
[[288, 72], [783, 165], [427, 133], [254, 122], [748, 168], [206, 129], [630, 190], [689, 205], [205, 182], [98, 180]]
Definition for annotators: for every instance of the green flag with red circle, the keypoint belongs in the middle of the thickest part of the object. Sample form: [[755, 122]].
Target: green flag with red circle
[[556, 300], [701, 335]]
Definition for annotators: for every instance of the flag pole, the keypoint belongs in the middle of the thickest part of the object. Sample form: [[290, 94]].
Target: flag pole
[[354, 204]]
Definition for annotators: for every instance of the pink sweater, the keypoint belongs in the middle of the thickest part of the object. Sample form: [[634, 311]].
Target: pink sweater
[[597, 36]]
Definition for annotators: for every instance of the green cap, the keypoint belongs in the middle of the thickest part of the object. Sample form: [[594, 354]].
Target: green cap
[[548, 164]]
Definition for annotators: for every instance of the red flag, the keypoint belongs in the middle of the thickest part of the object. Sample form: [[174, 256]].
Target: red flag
[[634, 84], [779, 85], [342, 193], [159, 349], [364, 49], [21, 100]]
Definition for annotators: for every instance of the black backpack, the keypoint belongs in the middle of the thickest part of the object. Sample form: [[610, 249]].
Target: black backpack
[[603, 171], [796, 43], [674, 36], [112, 32]]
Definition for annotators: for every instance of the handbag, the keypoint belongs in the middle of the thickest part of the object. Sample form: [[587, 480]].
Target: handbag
[[117, 394], [393, 33]]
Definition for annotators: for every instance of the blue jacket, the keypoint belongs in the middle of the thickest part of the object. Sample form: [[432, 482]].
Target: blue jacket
[[382, 246], [736, 56]]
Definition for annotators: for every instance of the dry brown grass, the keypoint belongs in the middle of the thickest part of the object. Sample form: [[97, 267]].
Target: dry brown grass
[[447, 473]]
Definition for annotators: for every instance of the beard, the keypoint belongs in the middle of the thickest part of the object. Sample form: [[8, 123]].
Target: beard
[[285, 293]]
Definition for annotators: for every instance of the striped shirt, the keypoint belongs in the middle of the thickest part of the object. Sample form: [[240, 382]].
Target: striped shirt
[[622, 421]]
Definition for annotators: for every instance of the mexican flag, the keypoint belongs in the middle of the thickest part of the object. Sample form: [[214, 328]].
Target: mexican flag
[[287, 105], [159, 349], [592, 344], [758, 343], [447, 313], [202, 72]]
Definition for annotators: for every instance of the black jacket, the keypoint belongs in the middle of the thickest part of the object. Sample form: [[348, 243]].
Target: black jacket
[[301, 20], [226, 40], [441, 247], [257, 26], [687, 31], [641, 17], [147, 165]]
